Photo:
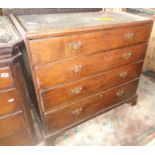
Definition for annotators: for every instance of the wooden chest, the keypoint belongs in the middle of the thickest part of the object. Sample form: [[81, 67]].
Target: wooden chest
[[16, 126], [83, 64], [149, 63]]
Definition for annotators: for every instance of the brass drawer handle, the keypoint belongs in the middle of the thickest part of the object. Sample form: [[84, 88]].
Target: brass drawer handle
[[4, 75], [76, 68], [75, 45], [123, 74], [120, 93], [129, 35], [76, 91], [77, 111], [127, 56]]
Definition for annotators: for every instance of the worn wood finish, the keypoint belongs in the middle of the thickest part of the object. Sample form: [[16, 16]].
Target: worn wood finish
[[30, 11], [69, 92], [65, 70], [51, 139], [11, 124], [47, 50], [22, 138], [149, 63], [9, 101], [76, 61], [5, 78], [15, 116], [80, 110], [47, 25]]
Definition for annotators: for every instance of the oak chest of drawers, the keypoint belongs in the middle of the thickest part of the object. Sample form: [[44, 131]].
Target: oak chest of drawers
[[16, 126], [83, 64]]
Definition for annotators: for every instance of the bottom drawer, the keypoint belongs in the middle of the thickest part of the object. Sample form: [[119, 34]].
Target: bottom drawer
[[22, 138], [82, 109], [11, 125]]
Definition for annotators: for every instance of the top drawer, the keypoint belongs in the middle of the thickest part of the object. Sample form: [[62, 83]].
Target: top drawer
[[56, 48], [5, 78]]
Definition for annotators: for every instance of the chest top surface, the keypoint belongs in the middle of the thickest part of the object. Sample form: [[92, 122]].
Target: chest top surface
[[59, 22], [8, 34]]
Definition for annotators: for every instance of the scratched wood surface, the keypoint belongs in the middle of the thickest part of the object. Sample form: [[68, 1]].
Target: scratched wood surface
[[37, 23]]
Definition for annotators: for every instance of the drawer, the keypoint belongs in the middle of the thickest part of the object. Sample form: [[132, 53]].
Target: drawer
[[5, 78], [56, 48], [11, 125], [22, 138], [9, 101], [76, 68], [88, 86], [87, 107]]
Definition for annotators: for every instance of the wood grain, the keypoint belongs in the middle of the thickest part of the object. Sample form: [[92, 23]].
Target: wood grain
[[61, 71], [56, 48], [11, 125], [22, 138], [67, 93], [15, 116], [5, 78], [82, 53], [66, 116], [9, 102]]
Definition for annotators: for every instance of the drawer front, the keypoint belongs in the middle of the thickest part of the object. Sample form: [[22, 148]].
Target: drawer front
[[22, 138], [83, 109], [11, 125], [82, 88], [80, 67], [5, 78], [9, 102], [56, 48]]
